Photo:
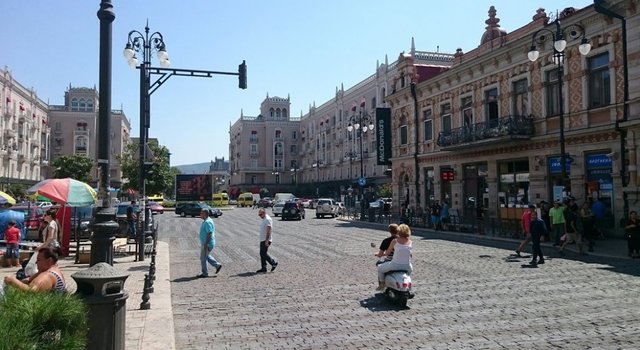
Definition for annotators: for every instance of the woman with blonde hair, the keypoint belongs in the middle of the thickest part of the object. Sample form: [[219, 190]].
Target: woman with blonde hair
[[401, 249]]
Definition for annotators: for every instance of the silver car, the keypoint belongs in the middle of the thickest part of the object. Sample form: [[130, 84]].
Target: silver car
[[326, 207], [277, 208]]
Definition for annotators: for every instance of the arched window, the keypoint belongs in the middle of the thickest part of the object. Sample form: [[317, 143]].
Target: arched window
[[278, 113], [404, 133], [83, 105], [284, 113], [277, 149], [74, 104], [272, 112], [90, 105]]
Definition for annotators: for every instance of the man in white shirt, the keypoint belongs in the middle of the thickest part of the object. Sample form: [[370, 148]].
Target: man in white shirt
[[266, 229]]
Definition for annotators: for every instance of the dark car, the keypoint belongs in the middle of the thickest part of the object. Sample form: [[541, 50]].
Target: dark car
[[265, 203], [80, 220], [293, 210], [33, 216], [194, 209]]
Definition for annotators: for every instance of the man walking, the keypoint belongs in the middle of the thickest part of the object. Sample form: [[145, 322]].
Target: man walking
[[526, 228], [537, 228], [207, 242], [266, 230]]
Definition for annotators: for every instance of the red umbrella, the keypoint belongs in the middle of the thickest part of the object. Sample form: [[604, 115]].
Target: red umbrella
[[65, 191]]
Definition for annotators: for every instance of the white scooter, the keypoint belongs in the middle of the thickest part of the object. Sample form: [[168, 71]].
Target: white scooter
[[397, 285]]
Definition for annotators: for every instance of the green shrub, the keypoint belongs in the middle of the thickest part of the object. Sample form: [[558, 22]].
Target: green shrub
[[31, 320]]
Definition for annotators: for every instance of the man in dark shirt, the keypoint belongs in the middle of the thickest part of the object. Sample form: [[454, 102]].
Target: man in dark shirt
[[384, 246], [537, 228]]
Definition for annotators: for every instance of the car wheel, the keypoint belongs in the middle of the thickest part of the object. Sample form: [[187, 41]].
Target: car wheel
[[183, 214]]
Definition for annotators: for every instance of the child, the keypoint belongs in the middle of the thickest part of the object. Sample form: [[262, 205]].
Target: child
[[12, 236]]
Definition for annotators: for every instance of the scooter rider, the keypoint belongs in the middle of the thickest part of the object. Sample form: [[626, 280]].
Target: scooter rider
[[384, 250], [401, 249]]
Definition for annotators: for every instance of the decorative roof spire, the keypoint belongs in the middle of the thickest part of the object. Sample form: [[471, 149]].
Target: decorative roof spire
[[493, 29]]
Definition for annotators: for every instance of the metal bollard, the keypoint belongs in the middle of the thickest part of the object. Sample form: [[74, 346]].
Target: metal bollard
[[145, 305]]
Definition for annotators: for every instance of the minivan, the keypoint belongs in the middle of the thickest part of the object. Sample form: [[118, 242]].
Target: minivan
[[245, 200]]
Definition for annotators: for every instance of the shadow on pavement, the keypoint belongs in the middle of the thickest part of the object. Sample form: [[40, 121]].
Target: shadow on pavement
[[378, 302], [138, 268], [185, 279]]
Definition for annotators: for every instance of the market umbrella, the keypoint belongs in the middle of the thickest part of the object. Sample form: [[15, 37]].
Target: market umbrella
[[65, 191], [5, 198]]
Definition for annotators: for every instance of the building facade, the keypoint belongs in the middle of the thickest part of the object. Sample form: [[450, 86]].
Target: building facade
[[74, 129], [24, 133], [486, 132], [264, 148]]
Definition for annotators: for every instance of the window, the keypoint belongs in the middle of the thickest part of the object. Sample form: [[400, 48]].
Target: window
[[254, 136], [254, 163], [254, 179], [491, 107], [552, 91], [428, 125], [277, 163], [467, 112], [445, 112], [294, 135], [74, 104], [294, 149], [254, 149], [278, 134], [272, 112], [599, 81], [404, 137], [520, 97], [284, 113], [278, 149]]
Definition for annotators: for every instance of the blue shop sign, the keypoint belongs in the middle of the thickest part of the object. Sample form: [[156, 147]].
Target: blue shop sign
[[598, 161], [554, 164]]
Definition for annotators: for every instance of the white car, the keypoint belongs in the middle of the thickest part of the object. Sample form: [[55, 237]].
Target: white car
[[277, 208], [326, 206]]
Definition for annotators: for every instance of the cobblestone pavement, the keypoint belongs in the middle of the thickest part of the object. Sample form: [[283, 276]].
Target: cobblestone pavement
[[321, 296]]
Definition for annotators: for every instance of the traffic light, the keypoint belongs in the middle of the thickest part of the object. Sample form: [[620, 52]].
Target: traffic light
[[447, 175], [242, 75]]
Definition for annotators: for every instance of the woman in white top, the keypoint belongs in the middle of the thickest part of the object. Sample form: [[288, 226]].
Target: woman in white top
[[51, 231], [401, 248]]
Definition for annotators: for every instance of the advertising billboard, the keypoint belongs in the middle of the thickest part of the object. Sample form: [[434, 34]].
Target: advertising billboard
[[194, 187], [383, 135]]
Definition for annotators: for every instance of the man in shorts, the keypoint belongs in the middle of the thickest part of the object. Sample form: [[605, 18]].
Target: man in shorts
[[12, 236]]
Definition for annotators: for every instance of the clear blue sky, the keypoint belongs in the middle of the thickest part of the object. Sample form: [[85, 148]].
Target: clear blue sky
[[300, 48]]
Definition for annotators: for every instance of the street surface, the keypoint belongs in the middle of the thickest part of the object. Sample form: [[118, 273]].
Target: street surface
[[321, 296]]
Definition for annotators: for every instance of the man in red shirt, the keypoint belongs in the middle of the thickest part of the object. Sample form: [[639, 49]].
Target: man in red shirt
[[526, 225], [12, 236]]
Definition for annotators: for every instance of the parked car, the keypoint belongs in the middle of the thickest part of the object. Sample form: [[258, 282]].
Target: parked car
[[80, 219], [194, 209], [293, 210], [233, 202], [277, 208], [33, 215], [156, 208], [306, 202], [378, 203], [265, 203], [326, 206]]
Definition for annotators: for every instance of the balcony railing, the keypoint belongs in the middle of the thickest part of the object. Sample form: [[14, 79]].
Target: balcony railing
[[512, 127]]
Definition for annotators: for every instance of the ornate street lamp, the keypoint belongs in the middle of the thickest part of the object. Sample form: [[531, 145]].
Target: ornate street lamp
[[559, 40], [360, 123]]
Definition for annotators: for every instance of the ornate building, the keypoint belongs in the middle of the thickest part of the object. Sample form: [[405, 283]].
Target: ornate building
[[487, 132], [24, 133], [74, 128]]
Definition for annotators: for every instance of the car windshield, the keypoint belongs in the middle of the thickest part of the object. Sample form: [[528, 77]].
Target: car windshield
[[324, 201]]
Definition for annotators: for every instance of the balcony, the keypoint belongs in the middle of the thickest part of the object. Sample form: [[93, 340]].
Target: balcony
[[278, 139], [513, 127], [253, 140], [22, 118], [83, 133]]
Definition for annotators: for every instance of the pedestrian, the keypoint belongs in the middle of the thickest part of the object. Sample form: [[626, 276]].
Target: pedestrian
[[435, 214], [401, 248], [537, 228], [480, 218], [131, 220], [51, 236], [444, 215], [556, 214], [572, 232], [384, 250], [588, 230], [632, 231], [266, 237], [525, 221], [12, 237], [207, 243]]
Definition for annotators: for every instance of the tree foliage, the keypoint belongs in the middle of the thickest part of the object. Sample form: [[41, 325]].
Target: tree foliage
[[76, 166], [159, 175]]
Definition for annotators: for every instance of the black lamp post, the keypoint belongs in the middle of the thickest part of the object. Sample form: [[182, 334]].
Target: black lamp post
[[360, 123], [144, 44], [573, 31]]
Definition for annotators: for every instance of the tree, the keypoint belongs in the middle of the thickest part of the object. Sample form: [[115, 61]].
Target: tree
[[76, 166], [160, 178], [385, 191]]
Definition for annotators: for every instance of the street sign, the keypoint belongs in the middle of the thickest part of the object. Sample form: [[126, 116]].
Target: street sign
[[362, 181]]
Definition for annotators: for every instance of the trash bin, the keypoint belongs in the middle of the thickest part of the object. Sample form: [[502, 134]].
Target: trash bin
[[101, 287]]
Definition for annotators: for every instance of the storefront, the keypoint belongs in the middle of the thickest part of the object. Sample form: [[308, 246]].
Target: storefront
[[599, 183], [476, 191]]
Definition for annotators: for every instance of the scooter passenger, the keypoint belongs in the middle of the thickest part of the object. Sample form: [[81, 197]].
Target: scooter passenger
[[401, 261], [384, 253]]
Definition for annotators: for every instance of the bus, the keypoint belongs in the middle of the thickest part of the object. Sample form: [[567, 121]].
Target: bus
[[158, 198], [220, 199]]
